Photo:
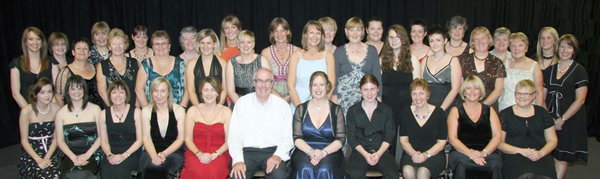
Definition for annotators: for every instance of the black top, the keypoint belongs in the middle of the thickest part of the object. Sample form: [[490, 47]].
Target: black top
[[161, 143], [93, 95], [423, 138], [475, 135], [526, 132], [337, 121], [395, 91], [215, 71], [121, 135], [27, 78], [370, 134], [129, 77]]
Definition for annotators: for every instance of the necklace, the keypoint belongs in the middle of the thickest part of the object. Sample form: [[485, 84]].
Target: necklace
[[421, 116], [44, 113], [459, 45], [547, 57], [480, 59], [561, 70], [76, 112], [120, 117]]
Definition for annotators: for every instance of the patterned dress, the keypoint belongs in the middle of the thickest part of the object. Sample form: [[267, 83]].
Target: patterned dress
[[348, 86], [95, 56], [40, 137], [129, 77], [80, 137], [280, 69], [176, 78]]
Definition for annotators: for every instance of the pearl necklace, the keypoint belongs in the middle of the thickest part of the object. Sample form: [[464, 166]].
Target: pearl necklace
[[44, 113]]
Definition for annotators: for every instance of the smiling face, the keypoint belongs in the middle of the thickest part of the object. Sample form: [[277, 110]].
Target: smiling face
[[33, 42], [437, 42], [75, 92], [81, 51], [231, 31], [472, 93], [524, 96], [375, 30], [161, 93], [117, 46], [45, 95], [318, 89], [355, 34], [547, 40], [481, 42], [161, 46], [263, 83], [369, 92], [280, 35], [313, 36], [417, 33], [329, 33], [394, 40], [246, 45], [188, 41], [100, 38], [457, 33], [59, 47], [518, 48], [501, 42], [140, 40], [565, 51], [118, 96], [206, 45], [419, 96], [209, 94]]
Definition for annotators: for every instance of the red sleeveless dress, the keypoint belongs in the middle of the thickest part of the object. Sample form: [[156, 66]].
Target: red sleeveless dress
[[208, 138]]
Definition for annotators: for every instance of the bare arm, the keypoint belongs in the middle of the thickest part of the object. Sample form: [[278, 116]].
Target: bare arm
[[496, 132], [189, 130], [453, 132], [55, 70], [331, 73], [227, 116], [230, 83], [190, 82], [456, 80], [138, 132], [60, 139], [103, 134], [15, 88], [26, 113], [291, 83], [417, 67], [223, 85], [551, 141], [495, 94], [146, 137], [538, 79], [140, 85]]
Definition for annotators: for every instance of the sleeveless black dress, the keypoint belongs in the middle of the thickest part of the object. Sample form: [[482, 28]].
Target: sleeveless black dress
[[215, 71], [174, 161], [120, 137]]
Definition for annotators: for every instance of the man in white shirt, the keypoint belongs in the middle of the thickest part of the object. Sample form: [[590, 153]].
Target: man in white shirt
[[260, 132]]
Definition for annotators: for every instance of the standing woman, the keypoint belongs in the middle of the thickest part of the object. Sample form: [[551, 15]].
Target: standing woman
[[423, 135], [81, 67], [547, 48], [77, 136], [519, 68], [374, 33], [418, 32], [33, 64], [209, 64], [99, 51], [442, 71], [330, 29], [162, 64], [567, 84], [206, 130], [312, 58], [162, 131], [371, 131], [241, 69], [117, 67], [484, 65], [457, 27], [187, 40], [352, 61], [120, 134], [36, 126], [319, 132], [59, 46], [140, 40], [474, 131], [230, 29], [501, 44], [279, 54]]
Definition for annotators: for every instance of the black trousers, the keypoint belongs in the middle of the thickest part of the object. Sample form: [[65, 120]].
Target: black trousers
[[461, 163], [256, 159], [168, 169], [358, 166]]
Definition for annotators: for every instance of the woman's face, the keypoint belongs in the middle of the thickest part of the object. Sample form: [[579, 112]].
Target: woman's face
[[318, 90], [81, 51], [313, 36], [209, 94], [100, 38], [33, 42], [546, 40], [160, 94], [417, 33], [419, 96], [280, 35], [206, 45], [329, 34], [394, 40], [457, 33], [565, 51], [231, 31], [501, 42], [75, 92], [246, 45], [437, 42], [45, 95], [355, 34], [117, 96], [518, 48], [59, 47], [481, 42], [117, 46], [472, 93], [140, 40], [369, 92], [161, 46], [524, 96], [375, 30], [188, 41]]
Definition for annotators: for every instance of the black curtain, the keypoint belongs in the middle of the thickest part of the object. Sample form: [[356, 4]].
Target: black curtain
[[75, 18]]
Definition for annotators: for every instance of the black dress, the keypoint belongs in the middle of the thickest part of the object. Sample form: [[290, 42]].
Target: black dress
[[174, 161], [396, 93], [129, 77], [572, 139], [215, 71], [120, 137], [28, 78], [526, 132], [422, 138], [440, 83], [93, 95], [80, 137]]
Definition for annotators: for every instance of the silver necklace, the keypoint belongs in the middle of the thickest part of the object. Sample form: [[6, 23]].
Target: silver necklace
[[564, 70], [44, 113], [421, 116]]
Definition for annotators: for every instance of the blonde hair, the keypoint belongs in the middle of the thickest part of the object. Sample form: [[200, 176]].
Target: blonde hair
[[538, 50], [57, 36], [99, 26], [354, 22], [520, 36], [213, 36], [116, 32], [246, 34], [319, 28], [154, 84], [477, 31], [160, 34], [526, 83], [235, 21], [328, 21], [472, 81]]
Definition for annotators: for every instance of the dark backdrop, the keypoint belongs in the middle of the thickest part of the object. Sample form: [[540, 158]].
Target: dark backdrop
[[75, 18]]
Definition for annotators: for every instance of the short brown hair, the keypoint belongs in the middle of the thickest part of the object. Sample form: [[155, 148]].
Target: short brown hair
[[214, 82], [317, 26], [571, 41], [35, 88], [55, 37], [480, 30], [420, 83], [369, 78], [160, 34], [284, 24], [118, 85]]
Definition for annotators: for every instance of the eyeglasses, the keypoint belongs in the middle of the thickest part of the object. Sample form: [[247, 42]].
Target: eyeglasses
[[263, 81], [524, 94]]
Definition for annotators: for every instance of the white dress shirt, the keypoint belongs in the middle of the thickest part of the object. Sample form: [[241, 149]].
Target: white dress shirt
[[260, 126]]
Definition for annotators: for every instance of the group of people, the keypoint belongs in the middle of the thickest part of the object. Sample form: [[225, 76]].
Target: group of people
[[220, 109]]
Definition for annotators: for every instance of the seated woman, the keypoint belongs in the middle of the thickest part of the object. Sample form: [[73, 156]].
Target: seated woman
[[206, 130], [371, 131], [528, 137], [120, 133], [319, 133], [77, 122], [36, 126], [162, 131], [474, 131], [423, 134]]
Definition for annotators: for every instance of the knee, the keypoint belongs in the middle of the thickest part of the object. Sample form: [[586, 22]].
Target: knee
[[423, 172], [408, 171]]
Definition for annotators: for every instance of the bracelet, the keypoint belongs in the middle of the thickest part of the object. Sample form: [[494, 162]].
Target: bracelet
[[196, 153], [110, 155], [427, 154], [485, 152], [563, 119], [126, 154], [326, 153]]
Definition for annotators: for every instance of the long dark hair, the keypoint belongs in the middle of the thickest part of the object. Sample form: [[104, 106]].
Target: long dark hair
[[35, 88], [387, 53], [76, 81]]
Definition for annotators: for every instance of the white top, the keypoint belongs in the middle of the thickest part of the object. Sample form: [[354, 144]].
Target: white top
[[513, 76], [260, 126]]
